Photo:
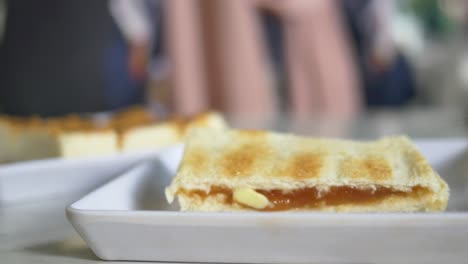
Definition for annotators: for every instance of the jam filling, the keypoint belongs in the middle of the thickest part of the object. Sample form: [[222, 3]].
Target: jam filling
[[310, 198]]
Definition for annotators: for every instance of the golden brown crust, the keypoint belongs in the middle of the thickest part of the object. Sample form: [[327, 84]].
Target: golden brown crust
[[74, 124], [18, 124], [132, 117], [139, 117], [253, 134], [198, 162], [376, 169], [242, 160], [304, 165], [70, 122], [55, 125], [203, 120]]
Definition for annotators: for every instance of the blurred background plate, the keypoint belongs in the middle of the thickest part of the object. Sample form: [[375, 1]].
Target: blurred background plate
[[29, 181]]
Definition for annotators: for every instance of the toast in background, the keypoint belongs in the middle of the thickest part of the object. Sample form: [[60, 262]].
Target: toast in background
[[74, 136], [159, 135]]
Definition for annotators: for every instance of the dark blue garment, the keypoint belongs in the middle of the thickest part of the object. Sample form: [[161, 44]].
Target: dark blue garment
[[393, 87], [274, 36], [51, 57], [63, 56], [121, 90]]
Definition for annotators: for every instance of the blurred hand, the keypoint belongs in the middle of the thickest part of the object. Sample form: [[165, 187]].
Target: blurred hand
[[138, 59], [379, 63]]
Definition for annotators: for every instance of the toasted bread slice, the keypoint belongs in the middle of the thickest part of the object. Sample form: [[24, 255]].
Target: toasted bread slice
[[226, 170]]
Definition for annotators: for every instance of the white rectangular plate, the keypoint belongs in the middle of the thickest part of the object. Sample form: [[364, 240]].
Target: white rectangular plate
[[129, 219], [28, 181]]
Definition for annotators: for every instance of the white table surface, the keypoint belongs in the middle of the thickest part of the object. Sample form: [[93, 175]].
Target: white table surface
[[38, 231]]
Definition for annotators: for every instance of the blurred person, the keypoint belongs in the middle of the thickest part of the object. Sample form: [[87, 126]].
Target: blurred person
[[387, 75], [136, 44], [64, 56], [185, 50], [136, 25], [319, 58], [234, 63], [52, 57]]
